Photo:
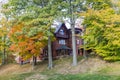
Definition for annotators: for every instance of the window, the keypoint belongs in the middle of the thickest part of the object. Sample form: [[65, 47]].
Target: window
[[61, 32], [78, 41], [62, 42]]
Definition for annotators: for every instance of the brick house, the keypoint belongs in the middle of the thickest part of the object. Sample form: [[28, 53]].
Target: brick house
[[63, 43]]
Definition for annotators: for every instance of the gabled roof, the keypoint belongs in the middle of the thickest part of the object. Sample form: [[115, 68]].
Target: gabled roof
[[59, 26]]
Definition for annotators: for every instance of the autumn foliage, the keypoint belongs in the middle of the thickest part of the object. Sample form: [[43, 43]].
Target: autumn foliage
[[102, 34], [24, 45]]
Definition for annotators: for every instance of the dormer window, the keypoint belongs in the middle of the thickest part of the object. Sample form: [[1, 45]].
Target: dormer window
[[61, 32]]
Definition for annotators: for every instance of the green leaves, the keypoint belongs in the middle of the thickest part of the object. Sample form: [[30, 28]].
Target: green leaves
[[102, 31], [33, 20]]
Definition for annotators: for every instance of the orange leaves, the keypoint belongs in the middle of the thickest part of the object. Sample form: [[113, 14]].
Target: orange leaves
[[20, 37], [33, 51], [24, 45], [27, 47], [16, 28], [30, 47], [13, 47]]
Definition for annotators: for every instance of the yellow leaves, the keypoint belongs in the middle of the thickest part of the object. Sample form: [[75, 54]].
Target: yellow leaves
[[117, 29], [27, 57], [3, 20], [116, 42], [88, 13], [96, 24], [38, 36], [4, 27]]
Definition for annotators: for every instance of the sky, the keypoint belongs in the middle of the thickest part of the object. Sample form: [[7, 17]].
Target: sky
[[2, 2]]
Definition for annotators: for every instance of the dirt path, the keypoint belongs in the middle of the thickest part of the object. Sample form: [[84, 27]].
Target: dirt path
[[14, 69], [89, 65]]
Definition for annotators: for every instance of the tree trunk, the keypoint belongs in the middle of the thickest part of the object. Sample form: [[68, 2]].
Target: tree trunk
[[34, 61], [84, 44], [73, 35], [50, 65], [4, 51], [74, 46], [84, 52]]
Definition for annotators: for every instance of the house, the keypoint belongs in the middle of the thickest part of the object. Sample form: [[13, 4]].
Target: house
[[63, 43], [62, 46]]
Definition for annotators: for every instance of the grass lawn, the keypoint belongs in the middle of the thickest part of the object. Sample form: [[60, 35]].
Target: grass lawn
[[62, 77], [84, 77], [15, 76], [90, 69]]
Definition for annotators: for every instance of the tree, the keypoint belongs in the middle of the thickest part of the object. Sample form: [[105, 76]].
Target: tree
[[72, 21], [4, 40], [35, 16], [36, 20], [102, 30], [75, 6], [26, 47], [39, 14]]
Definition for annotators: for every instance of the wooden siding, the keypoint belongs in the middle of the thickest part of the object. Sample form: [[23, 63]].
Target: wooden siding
[[68, 40]]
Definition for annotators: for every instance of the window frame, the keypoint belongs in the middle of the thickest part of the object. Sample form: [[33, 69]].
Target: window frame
[[62, 41]]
